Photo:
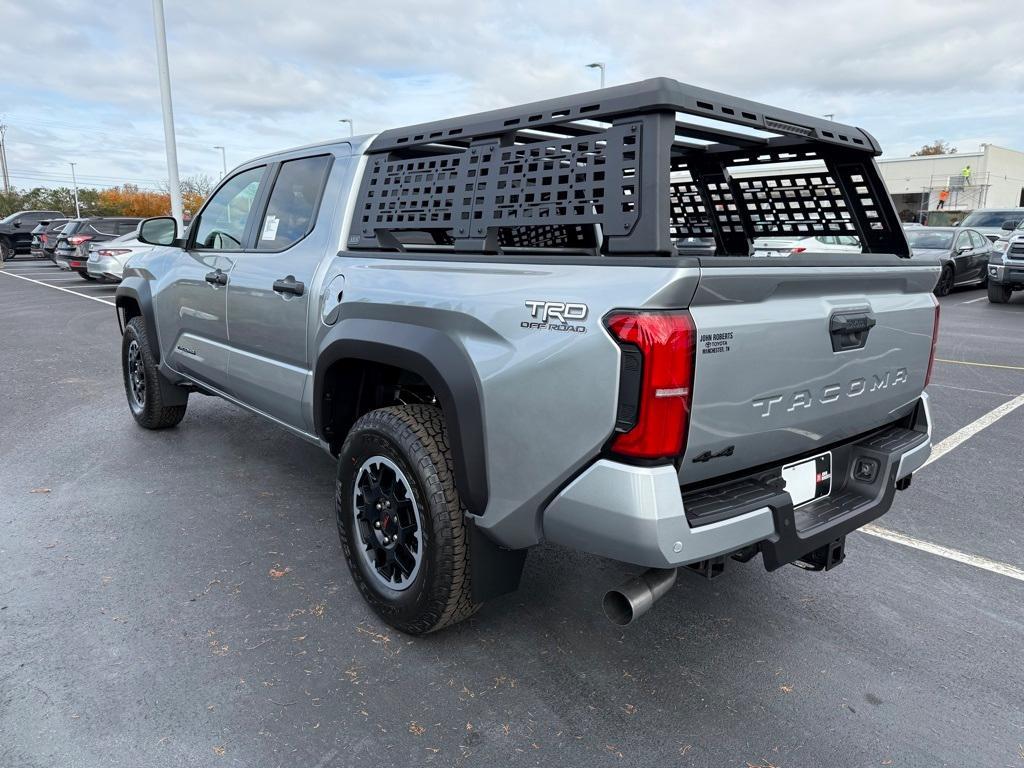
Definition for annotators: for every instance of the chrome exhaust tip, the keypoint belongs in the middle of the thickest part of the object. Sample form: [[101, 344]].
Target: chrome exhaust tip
[[633, 599]]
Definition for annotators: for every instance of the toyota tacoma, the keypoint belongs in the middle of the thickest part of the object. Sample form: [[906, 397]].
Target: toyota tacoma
[[488, 321]]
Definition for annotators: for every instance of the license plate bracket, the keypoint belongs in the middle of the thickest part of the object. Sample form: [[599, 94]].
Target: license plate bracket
[[810, 479]]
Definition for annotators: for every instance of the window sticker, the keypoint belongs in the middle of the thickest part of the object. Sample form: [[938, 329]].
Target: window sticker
[[270, 228]]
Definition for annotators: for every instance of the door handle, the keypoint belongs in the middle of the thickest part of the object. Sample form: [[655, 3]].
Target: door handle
[[290, 285], [849, 330], [217, 277]]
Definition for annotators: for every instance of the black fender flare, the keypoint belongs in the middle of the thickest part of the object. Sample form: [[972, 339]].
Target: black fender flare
[[134, 289], [438, 360]]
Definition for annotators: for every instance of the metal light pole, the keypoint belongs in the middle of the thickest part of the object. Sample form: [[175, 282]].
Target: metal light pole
[[74, 180], [3, 159], [351, 126], [598, 65], [165, 99], [223, 161]]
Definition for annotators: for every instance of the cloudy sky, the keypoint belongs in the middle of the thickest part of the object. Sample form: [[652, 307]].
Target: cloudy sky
[[78, 79]]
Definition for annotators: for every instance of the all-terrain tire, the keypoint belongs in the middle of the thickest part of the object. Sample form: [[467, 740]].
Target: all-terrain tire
[[998, 293], [141, 374], [414, 439]]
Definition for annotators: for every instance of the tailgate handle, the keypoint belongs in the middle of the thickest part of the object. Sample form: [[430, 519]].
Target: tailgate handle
[[849, 330]]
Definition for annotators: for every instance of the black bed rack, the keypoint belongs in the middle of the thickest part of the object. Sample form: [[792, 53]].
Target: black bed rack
[[648, 162]]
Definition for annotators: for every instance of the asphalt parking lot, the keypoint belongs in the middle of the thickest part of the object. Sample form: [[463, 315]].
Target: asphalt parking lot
[[179, 598]]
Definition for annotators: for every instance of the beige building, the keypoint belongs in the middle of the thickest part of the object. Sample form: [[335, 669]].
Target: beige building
[[915, 183]]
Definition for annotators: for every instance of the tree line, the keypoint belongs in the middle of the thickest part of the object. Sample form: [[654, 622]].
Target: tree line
[[122, 200]]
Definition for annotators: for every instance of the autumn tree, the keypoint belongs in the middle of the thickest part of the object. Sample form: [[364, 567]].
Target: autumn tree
[[937, 147], [130, 200]]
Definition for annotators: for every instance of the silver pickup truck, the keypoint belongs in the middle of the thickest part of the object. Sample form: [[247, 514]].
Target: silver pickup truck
[[487, 320]]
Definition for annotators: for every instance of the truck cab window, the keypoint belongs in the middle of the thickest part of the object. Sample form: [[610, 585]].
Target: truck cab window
[[222, 223], [293, 203]]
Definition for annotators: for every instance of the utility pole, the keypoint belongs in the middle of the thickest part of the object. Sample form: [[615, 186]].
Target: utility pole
[[168, 110], [74, 180], [351, 126], [223, 161], [3, 160], [598, 65]]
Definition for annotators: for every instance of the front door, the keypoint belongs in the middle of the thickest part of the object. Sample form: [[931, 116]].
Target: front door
[[270, 298], [192, 302]]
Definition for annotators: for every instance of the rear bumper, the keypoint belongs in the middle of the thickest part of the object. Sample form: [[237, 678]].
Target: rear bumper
[[107, 268], [640, 515]]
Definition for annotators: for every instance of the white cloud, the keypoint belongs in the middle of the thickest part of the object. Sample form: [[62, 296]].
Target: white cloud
[[80, 79]]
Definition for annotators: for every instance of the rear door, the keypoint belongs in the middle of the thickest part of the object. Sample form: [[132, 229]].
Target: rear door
[[964, 257], [982, 249], [776, 375], [270, 294]]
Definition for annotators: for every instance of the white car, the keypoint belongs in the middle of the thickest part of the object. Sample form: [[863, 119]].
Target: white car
[[107, 259], [785, 246]]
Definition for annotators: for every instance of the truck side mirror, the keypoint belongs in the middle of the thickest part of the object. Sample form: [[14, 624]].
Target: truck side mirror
[[1009, 225], [160, 230]]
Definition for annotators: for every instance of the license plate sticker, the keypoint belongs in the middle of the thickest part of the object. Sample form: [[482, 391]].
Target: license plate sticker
[[809, 479]]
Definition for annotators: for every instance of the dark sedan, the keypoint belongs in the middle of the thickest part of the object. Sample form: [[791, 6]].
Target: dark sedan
[[963, 254]]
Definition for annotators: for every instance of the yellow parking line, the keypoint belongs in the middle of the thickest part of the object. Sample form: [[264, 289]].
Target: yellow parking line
[[982, 365]]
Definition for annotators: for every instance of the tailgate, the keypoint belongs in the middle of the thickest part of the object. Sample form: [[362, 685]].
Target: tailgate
[[768, 383]]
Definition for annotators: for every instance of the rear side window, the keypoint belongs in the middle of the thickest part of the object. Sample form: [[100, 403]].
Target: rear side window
[[125, 227], [294, 201]]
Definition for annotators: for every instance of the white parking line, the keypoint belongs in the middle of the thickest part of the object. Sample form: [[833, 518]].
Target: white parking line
[[947, 552], [981, 365], [56, 287], [983, 298], [958, 437]]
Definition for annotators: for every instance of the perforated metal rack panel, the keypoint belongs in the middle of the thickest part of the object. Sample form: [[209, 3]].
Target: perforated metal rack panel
[[803, 205], [534, 194]]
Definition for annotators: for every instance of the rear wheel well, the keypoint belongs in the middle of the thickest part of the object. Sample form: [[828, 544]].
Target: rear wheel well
[[353, 387]]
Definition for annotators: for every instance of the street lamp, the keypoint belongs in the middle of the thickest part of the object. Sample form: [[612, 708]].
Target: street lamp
[[351, 126], [74, 180], [168, 111], [223, 161], [598, 65]]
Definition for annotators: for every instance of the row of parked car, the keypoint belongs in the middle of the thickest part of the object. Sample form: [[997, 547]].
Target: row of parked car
[[97, 247]]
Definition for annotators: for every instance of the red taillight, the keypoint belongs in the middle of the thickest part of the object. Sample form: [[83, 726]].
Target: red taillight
[[667, 343], [798, 249], [935, 340], [77, 240], [112, 252]]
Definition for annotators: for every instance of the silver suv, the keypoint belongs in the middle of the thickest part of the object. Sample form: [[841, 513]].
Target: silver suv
[[487, 321]]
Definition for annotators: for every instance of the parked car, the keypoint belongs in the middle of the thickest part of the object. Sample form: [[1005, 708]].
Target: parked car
[[16, 231], [1006, 269], [106, 260], [784, 246], [42, 234], [963, 253], [542, 366], [993, 222], [68, 253]]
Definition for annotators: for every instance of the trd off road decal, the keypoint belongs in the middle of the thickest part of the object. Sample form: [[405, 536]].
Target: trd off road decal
[[556, 316]]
